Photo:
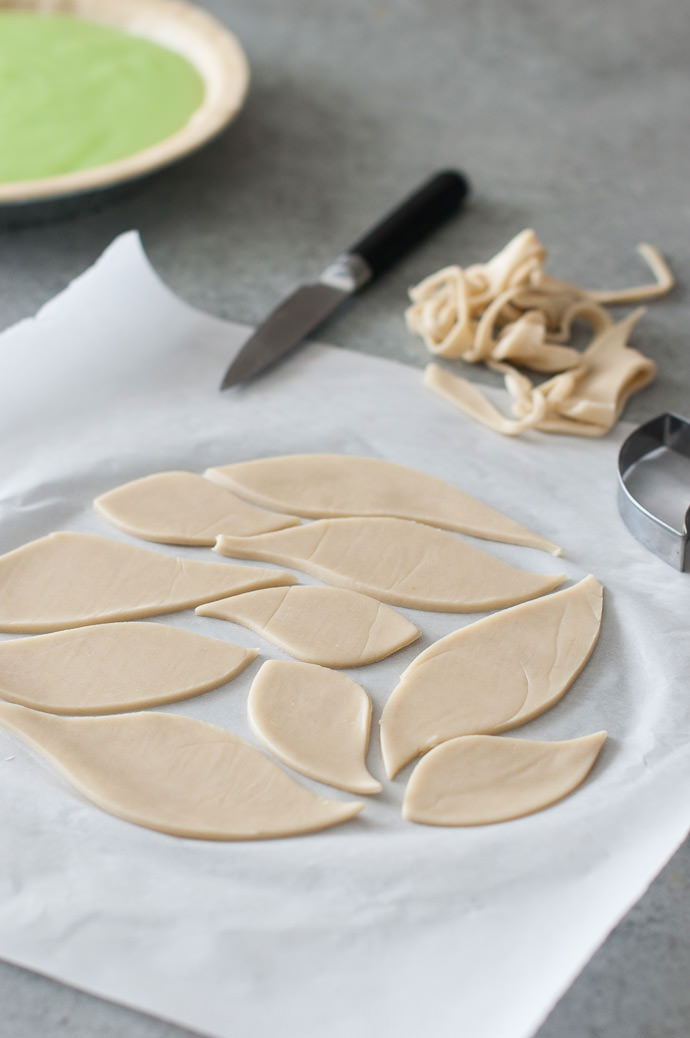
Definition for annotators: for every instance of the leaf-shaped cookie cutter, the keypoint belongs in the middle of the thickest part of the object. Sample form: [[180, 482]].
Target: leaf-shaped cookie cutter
[[671, 545]]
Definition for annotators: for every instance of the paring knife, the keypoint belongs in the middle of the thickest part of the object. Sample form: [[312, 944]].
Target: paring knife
[[310, 305]]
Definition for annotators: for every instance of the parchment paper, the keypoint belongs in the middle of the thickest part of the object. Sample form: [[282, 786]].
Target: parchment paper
[[378, 927]]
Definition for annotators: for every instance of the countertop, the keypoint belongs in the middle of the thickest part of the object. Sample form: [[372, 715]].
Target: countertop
[[571, 119]]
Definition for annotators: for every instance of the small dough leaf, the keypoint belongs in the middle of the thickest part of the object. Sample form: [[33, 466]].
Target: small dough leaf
[[479, 779], [399, 561], [323, 486], [115, 667], [315, 720], [325, 625], [183, 508], [72, 579], [492, 675], [176, 775]]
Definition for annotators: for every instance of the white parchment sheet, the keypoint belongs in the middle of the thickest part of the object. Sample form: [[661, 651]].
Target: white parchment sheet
[[378, 927]]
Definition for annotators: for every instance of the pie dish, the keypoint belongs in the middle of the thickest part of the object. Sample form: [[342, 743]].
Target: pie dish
[[205, 43]]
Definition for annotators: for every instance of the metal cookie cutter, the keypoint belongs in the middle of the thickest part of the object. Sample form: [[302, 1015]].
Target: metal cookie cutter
[[672, 432]]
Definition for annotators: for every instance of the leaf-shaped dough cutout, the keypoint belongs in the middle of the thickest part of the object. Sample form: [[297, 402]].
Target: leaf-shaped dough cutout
[[479, 779], [73, 579], [316, 720], [183, 508], [323, 486], [397, 560], [176, 774], [326, 625], [109, 668], [492, 675]]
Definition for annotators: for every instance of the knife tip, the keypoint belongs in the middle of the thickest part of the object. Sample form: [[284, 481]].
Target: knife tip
[[229, 379]]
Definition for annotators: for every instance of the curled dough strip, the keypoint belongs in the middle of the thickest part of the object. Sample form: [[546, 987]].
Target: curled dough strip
[[585, 310], [659, 268], [447, 304], [464, 395], [483, 341], [513, 265], [525, 342], [440, 314]]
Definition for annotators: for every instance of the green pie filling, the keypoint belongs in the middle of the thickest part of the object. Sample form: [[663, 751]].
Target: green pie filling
[[74, 95]]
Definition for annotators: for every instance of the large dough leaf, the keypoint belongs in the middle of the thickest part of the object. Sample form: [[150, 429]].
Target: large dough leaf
[[176, 774], [325, 625], [183, 508], [72, 579], [330, 485], [479, 779], [397, 560], [108, 668], [492, 675]]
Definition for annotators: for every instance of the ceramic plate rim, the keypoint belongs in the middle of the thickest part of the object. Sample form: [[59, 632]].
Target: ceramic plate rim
[[211, 48]]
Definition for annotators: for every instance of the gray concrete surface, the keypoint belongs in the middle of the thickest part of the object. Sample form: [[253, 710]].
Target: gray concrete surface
[[571, 118]]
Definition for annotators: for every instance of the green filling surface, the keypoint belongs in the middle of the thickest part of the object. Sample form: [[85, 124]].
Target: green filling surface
[[74, 95]]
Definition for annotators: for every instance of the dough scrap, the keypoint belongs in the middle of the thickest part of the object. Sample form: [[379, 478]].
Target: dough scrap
[[612, 373], [329, 626], [492, 675], [72, 579], [176, 775], [110, 668], [585, 401], [183, 508], [322, 486], [397, 560], [509, 312], [480, 779], [315, 720], [467, 397], [448, 307]]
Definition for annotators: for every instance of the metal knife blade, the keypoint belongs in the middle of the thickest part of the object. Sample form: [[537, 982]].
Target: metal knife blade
[[309, 306], [293, 319]]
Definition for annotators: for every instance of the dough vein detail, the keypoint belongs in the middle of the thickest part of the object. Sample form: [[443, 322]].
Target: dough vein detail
[[70, 580], [492, 675], [316, 720], [176, 775], [482, 779], [324, 486], [330, 626], [399, 561], [115, 667]]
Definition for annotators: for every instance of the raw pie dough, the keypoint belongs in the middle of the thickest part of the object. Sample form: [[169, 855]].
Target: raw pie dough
[[479, 779], [325, 625], [72, 579], [183, 508], [399, 561], [510, 308], [176, 775], [332, 485], [585, 401], [492, 675], [315, 720], [115, 667], [509, 312]]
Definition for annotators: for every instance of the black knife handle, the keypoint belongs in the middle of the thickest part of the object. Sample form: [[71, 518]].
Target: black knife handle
[[425, 209]]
